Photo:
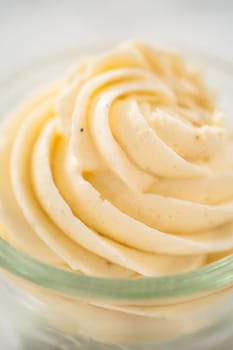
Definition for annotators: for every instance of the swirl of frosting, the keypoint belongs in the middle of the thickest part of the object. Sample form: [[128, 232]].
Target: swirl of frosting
[[123, 170]]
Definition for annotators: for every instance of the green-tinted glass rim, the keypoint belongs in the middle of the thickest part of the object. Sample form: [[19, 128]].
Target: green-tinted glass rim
[[208, 278]]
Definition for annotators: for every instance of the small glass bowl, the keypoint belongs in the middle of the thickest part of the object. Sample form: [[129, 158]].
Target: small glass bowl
[[46, 307]]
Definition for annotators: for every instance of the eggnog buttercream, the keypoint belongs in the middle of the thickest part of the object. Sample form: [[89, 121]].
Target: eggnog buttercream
[[122, 170]]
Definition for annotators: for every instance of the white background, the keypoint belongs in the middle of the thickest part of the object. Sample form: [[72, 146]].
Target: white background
[[32, 28]]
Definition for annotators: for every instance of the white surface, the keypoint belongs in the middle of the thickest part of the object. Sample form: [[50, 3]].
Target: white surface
[[31, 28]]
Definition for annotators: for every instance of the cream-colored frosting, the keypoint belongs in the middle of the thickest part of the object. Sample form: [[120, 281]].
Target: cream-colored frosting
[[125, 169]]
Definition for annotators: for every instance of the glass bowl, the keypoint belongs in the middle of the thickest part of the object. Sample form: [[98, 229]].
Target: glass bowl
[[51, 308]]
